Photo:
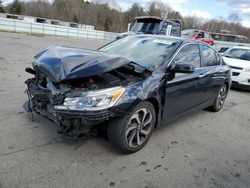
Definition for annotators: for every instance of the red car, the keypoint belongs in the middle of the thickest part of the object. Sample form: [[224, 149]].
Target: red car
[[198, 35]]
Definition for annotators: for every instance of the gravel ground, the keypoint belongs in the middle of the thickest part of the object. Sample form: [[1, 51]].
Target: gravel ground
[[201, 149]]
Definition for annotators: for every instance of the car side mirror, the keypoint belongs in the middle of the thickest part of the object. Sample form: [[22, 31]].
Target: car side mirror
[[184, 68]]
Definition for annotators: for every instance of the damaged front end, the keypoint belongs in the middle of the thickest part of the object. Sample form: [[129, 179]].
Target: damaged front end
[[78, 89]]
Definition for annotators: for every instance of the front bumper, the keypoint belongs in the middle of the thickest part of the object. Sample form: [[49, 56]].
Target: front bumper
[[236, 85], [240, 79], [42, 102]]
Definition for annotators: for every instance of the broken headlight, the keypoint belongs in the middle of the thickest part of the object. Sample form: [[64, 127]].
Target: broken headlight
[[93, 100]]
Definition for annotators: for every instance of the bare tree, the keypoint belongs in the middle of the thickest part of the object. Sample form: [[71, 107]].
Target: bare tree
[[2, 9], [192, 22], [107, 15], [158, 8]]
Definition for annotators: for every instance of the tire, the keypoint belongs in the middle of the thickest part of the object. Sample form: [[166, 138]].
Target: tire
[[123, 132], [219, 99]]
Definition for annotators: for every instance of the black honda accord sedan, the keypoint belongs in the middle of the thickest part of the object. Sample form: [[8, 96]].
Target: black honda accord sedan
[[129, 86]]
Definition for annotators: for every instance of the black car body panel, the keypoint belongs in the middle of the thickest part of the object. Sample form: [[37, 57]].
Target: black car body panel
[[171, 93], [63, 63]]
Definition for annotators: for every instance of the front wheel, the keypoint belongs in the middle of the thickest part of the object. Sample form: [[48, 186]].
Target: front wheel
[[131, 132], [220, 99]]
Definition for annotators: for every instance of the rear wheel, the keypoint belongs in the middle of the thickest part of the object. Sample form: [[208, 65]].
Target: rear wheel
[[131, 132], [220, 99]]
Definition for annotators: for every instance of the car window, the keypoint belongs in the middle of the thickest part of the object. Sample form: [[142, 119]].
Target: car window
[[176, 31], [209, 56], [202, 34], [217, 37], [149, 52], [145, 26], [243, 40], [189, 54], [165, 27], [207, 35], [189, 32], [238, 53], [229, 38]]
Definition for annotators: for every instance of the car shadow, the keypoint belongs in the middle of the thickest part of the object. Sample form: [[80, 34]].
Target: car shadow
[[240, 89], [180, 121], [50, 130]]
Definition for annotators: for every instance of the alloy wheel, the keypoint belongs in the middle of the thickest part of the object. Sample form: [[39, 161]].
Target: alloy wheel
[[221, 97], [139, 127]]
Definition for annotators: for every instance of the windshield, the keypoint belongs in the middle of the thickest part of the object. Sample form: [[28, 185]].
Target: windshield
[[148, 26], [149, 52], [243, 54], [189, 32], [242, 39]]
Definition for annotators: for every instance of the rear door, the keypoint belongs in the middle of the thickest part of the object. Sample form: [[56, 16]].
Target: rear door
[[182, 92], [210, 72]]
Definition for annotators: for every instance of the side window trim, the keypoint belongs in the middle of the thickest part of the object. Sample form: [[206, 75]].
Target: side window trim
[[219, 57], [178, 51], [202, 57], [172, 59]]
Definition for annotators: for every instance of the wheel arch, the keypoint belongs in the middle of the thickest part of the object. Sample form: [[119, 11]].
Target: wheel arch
[[227, 84], [156, 106]]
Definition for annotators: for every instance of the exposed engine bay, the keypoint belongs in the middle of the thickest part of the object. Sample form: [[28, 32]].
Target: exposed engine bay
[[121, 76], [44, 95]]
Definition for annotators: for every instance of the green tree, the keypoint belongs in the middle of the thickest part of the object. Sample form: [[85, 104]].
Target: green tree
[[15, 7], [1, 6]]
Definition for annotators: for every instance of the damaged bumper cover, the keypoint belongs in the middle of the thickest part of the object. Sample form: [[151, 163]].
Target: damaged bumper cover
[[78, 89], [70, 122]]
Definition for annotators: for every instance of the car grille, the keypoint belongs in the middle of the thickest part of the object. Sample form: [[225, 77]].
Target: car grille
[[233, 67], [43, 94], [236, 73], [57, 99]]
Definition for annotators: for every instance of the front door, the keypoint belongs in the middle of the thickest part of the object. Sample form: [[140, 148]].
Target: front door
[[210, 72], [182, 92]]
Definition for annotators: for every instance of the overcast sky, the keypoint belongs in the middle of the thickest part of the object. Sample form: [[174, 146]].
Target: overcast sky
[[202, 8]]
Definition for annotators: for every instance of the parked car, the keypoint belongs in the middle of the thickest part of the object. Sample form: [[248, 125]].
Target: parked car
[[154, 25], [198, 35], [226, 40], [132, 85], [238, 58]]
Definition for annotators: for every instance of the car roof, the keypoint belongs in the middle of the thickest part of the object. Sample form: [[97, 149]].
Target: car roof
[[173, 21], [148, 17], [228, 34], [199, 30], [241, 47], [167, 37]]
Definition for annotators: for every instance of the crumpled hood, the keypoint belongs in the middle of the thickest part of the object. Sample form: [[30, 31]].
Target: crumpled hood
[[63, 63]]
